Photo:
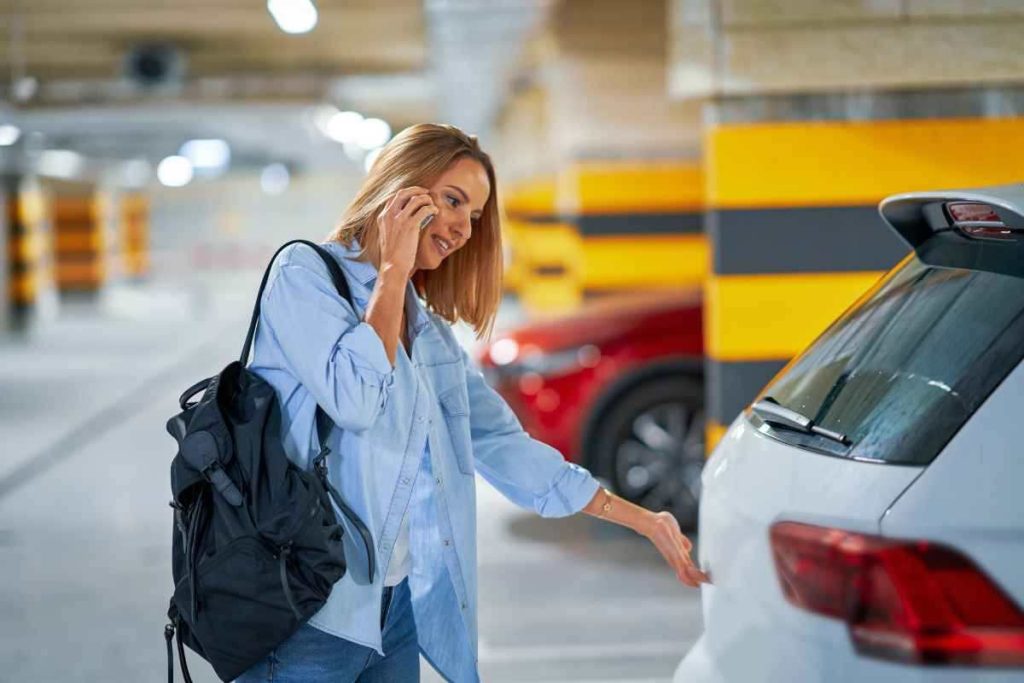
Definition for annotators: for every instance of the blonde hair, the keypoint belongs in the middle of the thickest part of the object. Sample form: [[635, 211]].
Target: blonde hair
[[467, 284]]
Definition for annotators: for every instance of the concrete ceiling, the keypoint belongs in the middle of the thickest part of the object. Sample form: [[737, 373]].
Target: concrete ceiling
[[63, 71], [64, 75], [56, 40]]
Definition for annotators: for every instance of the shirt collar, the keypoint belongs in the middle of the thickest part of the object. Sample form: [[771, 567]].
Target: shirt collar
[[365, 274], [363, 271]]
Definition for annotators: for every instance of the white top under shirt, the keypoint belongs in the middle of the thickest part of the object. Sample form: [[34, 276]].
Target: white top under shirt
[[398, 568], [401, 561]]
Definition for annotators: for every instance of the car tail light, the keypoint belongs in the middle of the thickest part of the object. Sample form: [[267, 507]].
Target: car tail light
[[910, 601], [981, 221]]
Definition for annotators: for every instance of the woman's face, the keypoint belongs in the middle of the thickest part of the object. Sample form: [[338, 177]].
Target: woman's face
[[459, 194]]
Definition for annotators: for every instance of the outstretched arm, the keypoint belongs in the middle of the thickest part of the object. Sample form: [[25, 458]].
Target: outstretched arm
[[660, 528], [535, 475]]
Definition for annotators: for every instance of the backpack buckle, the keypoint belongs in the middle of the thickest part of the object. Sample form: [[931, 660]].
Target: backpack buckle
[[219, 479], [320, 462]]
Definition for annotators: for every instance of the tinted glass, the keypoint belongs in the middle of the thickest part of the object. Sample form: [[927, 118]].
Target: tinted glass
[[905, 367]]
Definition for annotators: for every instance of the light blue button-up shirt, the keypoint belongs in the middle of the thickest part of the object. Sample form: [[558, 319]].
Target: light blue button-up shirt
[[315, 349]]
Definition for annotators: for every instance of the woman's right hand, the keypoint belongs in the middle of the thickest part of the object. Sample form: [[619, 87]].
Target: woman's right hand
[[399, 223]]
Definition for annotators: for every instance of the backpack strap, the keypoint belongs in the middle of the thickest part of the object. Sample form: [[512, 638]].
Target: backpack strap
[[323, 421], [323, 429], [340, 284], [170, 631]]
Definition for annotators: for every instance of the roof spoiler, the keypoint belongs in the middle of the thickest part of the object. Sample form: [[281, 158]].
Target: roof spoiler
[[981, 229]]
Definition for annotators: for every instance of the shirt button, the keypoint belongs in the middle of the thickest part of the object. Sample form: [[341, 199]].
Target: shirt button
[[463, 605], [419, 418], [438, 480], [447, 542], [405, 480]]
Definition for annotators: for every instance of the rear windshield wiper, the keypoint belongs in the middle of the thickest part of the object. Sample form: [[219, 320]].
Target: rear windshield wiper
[[769, 410]]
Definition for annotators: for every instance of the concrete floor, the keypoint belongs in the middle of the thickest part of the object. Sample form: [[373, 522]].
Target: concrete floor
[[85, 528]]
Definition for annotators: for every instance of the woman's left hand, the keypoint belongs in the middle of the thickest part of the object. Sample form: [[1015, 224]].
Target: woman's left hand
[[664, 532]]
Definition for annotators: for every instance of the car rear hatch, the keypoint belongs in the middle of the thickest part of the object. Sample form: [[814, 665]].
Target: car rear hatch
[[848, 426]]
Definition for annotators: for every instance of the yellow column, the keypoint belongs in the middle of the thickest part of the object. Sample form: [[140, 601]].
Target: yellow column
[[795, 234], [134, 229], [29, 272], [79, 243], [640, 224]]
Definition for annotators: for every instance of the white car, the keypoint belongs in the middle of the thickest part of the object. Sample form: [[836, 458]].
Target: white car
[[863, 519]]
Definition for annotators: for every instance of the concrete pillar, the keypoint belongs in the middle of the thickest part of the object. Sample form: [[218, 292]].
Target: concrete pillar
[[81, 242], [605, 190], [639, 224], [543, 250], [30, 295], [132, 221], [6, 285], [815, 111]]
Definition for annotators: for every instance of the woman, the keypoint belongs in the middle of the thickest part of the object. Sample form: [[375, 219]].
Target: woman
[[413, 420]]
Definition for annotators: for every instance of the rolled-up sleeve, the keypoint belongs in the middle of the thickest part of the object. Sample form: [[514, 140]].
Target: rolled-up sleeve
[[339, 359], [528, 472]]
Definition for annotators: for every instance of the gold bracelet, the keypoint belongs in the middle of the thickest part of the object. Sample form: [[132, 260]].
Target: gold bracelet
[[607, 506]]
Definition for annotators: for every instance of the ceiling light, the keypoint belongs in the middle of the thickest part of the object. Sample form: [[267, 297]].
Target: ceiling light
[[174, 171], [321, 116], [9, 134], [207, 155], [373, 133], [274, 178], [293, 16], [345, 126], [25, 88]]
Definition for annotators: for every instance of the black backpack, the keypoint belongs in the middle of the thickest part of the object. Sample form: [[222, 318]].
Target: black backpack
[[257, 547]]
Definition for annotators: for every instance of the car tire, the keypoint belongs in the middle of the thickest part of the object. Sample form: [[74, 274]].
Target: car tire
[[648, 446]]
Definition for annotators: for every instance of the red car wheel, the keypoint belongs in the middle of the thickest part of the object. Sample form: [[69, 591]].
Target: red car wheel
[[649, 446]]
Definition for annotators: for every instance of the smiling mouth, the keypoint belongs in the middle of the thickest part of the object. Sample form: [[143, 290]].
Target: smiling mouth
[[442, 246]]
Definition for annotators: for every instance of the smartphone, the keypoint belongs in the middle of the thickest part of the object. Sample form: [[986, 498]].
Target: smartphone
[[426, 221]]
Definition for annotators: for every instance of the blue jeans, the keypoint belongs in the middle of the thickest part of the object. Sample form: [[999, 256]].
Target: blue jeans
[[313, 656]]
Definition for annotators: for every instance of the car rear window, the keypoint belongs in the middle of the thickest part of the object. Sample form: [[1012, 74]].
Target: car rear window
[[902, 370]]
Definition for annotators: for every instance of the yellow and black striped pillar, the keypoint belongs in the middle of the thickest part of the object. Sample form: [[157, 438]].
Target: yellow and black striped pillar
[[134, 234], [80, 248], [795, 234], [604, 227], [543, 247], [28, 258], [640, 224]]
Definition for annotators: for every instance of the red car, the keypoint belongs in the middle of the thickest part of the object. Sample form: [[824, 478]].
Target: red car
[[617, 387]]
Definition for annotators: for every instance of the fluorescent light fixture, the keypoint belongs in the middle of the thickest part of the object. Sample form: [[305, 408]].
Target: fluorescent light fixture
[[174, 171], [321, 116], [60, 163], [9, 134], [274, 178], [207, 155], [25, 88], [293, 16], [345, 127], [370, 158], [373, 133]]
